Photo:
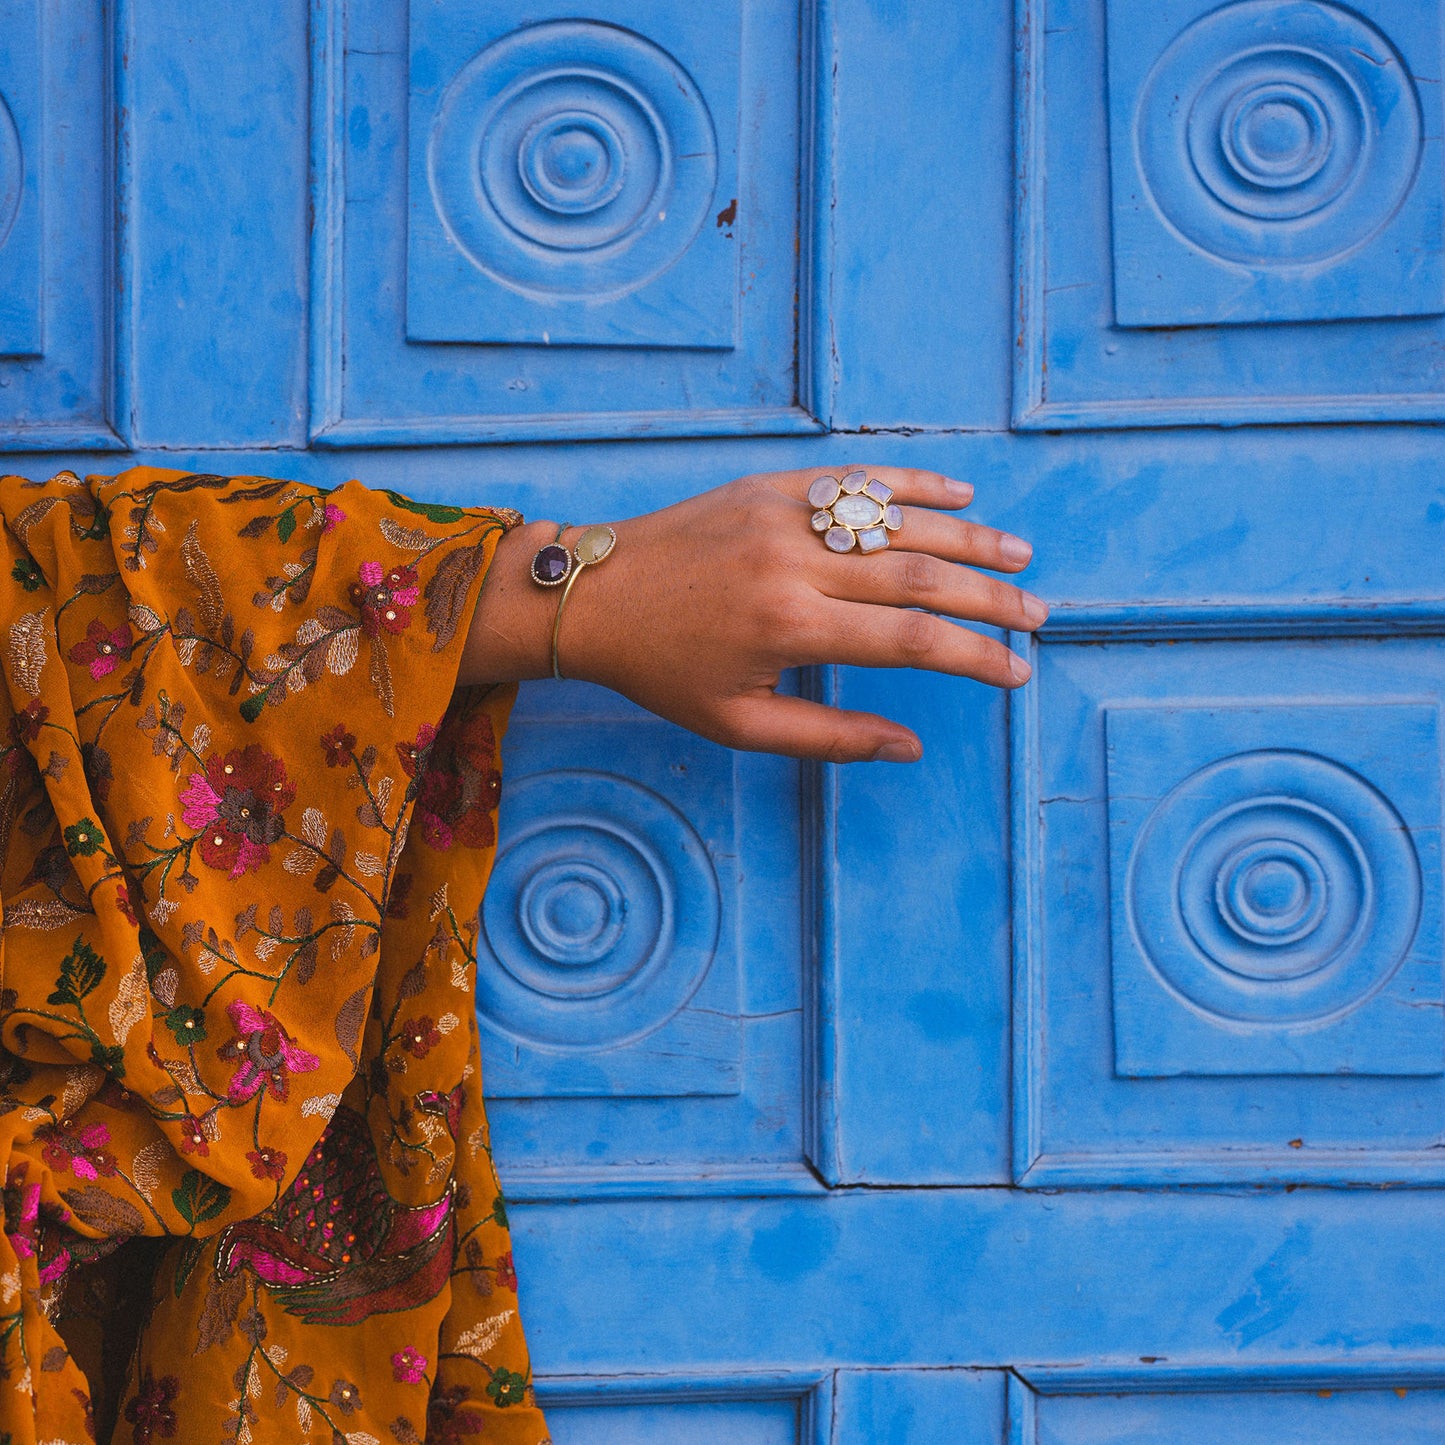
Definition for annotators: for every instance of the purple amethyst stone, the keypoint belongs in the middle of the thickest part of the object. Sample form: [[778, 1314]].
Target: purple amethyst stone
[[551, 565]]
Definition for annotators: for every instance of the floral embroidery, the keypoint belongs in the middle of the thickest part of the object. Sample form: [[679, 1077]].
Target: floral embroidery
[[420, 1036], [408, 1366], [266, 1054], [338, 744], [25, 724], [150, 1409], [69, 1146], [267, 1163], [103, 648], [225, 959], [238, 802], [385, 597]]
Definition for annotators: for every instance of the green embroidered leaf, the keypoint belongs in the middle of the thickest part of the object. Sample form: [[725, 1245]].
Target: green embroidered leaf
[[198, 1199], [81, 970], [251, 708], [153, 951], [190, 1256], [286, 524], [432, 511]]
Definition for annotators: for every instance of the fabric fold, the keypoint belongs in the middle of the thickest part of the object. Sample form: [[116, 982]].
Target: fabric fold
[[246, 821]]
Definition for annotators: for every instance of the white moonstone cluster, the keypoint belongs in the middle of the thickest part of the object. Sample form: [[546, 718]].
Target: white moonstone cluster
[[854, 512]]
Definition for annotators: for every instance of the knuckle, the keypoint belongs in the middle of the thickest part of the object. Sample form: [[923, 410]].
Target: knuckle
[[789, 616], [916, 637], [1003, 599], [920, 576]]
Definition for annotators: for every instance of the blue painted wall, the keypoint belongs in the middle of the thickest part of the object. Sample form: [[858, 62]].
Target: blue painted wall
[[964, 1102]]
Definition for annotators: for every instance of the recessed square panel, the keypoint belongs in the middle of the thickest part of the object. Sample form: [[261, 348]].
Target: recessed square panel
[[21, 147], [1226, 1405], [535, 224], [1228, 213], [565, 177], [640, 989], [607, 959], [1274, 161], [58, 387], [1228, 881], [1273, 889]]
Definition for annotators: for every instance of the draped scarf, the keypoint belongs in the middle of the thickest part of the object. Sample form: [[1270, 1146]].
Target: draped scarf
[[246, 820]]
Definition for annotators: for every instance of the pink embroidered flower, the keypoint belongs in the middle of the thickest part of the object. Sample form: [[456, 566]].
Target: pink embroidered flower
[[238, 802], [408, 1366], [385, 598], [69, 1148], [265, 1054], [331, 516], [102, 649]]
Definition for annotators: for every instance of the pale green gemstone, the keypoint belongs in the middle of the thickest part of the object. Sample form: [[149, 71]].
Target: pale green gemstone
[[893, 516], [880, 493], [594, 544], [872, 539], [853, 482], [857, 512], [822, 520], [823, 492], [839, 539]]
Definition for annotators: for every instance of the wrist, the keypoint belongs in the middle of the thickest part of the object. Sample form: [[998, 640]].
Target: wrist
[[587, 630], [510, 637]]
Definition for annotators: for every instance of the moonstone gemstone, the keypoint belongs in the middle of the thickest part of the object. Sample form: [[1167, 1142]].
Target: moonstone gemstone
[[879, 492], [858, 511], [822, 520], [823, 492], [853, 482], [893, 516], [839, 539], [873, 539]]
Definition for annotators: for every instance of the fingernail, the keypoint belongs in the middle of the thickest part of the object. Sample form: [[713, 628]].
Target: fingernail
[[960, 491], [1035, 609], [1020, 669], [899, 752], [1014, 549]]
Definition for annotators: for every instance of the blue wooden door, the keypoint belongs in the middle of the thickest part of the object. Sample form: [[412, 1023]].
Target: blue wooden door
[[1084, 1082]]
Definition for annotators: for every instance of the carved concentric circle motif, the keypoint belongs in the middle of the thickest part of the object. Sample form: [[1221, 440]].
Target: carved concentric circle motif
[[12, 174], [573, 159], [601, 918], [1279, 134], [1274, 887]]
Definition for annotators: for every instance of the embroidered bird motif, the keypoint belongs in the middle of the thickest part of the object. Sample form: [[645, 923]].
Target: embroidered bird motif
[[336, 1247]]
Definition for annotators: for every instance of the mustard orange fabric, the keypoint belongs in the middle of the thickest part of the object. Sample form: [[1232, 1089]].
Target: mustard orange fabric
[[245, 826]]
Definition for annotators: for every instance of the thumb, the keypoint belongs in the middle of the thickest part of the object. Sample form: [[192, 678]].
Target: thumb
[[798, 728]]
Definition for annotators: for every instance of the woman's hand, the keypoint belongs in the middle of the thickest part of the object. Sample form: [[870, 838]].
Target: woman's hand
[[702, 605]]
